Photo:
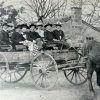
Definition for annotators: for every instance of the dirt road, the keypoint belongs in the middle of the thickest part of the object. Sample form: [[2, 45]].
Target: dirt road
[[24, 90]]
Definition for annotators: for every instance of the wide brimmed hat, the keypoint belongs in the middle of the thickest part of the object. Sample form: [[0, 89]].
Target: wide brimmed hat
[[48, 24], [39, 24], [24, 26], [58, 24], [5, 24], [18, 26], [32, 25], [89, 38]]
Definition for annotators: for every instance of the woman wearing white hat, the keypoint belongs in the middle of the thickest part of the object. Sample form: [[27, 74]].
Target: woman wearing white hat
[[40, 29]]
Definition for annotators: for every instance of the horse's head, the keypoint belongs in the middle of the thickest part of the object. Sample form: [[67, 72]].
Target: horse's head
[[87, 47]]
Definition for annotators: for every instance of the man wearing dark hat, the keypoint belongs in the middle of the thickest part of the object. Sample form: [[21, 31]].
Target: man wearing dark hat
[[33, 34], [58, 33], [17, 37], [48, 34], [4, 35]]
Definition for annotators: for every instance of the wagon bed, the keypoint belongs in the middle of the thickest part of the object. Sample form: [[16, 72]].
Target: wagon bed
[[43, 66]]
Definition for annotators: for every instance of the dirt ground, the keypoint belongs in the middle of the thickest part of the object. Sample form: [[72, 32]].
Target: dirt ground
[[63, 90]]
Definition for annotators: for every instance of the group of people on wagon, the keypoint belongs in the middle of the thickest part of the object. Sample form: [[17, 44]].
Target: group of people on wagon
[[50, 33]]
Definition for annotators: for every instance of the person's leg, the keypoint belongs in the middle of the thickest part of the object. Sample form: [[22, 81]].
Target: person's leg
[[90, 69], [98, 74]]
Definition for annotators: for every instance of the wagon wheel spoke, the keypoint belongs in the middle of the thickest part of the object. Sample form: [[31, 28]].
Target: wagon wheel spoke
[[82, 75], [15, 76], [76, 78], [5, 76], [46, 81], [19, 73], [42, 81], [10, 76], [69, 73], [36, 74], [38, 78], [79, 76], [72, 76], [2, 73], [83, 70]]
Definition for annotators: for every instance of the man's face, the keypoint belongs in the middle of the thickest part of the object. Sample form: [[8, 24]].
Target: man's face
[[58, 27], [5, 28], [27, 29], [24, 29], [32, 28], [48, 27], [18, 30], [54, 27]]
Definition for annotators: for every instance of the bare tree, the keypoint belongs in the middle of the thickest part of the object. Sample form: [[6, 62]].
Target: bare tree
[[45, 8], [90, 10]]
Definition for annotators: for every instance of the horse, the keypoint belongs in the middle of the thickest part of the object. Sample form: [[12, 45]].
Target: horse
[[91, 50]]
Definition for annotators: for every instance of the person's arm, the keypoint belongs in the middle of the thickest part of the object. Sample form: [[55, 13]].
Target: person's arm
[[62, 35], [45, 35], [13, 38], [5, 37]]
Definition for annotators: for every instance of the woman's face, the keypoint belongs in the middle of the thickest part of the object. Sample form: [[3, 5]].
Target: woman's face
[[24, 29]]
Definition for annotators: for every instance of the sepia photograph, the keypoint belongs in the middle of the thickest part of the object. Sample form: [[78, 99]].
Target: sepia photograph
[[49, 49]]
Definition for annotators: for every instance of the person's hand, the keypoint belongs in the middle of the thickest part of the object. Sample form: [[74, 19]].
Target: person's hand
[[34, 41], [21, 42], [55, 40]]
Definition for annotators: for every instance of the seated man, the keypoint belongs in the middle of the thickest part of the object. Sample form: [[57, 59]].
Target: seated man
[[59, 37], [48, 35], [4, 35], [17, 37], [33, 35], [58, 33]]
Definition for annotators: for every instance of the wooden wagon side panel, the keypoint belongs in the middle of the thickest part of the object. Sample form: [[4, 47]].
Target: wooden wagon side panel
[[21, 57], [63, 55]]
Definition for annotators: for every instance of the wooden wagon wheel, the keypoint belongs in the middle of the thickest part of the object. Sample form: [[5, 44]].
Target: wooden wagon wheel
[[44, 71], [77, 75], [10, 74]]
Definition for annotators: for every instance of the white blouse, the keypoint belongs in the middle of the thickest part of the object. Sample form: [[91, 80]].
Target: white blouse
[[40, 32]]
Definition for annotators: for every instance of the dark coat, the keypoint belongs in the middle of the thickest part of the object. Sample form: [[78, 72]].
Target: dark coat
[[4, 37], [34, 35], [58, 34], [48, 35], [16, 38]]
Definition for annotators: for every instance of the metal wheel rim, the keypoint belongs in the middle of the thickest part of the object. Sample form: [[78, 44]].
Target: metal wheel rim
[[56, 71], [72, 75]]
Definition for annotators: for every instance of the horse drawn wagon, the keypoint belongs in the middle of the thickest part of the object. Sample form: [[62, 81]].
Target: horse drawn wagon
[[43, 66]]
